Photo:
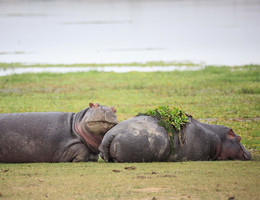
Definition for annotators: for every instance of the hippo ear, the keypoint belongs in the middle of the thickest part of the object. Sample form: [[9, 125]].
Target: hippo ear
[[231, 133], [91, 105]]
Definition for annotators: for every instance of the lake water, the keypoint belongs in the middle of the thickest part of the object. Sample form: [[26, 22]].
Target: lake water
[[222, 32], [122, 69]]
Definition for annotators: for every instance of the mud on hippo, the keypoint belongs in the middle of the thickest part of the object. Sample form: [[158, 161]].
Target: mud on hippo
[[141, 139], [54, 136]]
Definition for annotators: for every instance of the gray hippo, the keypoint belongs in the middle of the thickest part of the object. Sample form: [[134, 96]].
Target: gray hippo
[[141, 139], [54, 136]]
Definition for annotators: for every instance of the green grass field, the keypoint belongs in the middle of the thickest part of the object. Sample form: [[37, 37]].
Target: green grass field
[[227, 96]]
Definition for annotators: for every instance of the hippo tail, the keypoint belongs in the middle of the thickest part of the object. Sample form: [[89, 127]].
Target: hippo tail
[[104, 147]]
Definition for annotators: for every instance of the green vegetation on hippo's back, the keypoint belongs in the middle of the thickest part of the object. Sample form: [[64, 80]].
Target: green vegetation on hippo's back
[[171, 118]]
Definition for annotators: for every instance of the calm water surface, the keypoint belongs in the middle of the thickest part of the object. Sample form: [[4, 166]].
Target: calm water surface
[[122, 69], [120, 31]]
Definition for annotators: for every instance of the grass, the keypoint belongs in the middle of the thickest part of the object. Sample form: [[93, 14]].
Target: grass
[[187, 180], [230, 95]]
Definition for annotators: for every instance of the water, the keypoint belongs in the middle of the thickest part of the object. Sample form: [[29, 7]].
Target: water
[[121, 31], [123, 69]]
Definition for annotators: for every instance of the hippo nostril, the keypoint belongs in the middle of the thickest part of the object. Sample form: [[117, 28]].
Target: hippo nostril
[[113, 109]]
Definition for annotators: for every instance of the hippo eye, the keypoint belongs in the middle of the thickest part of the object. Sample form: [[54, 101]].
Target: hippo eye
[[231, 135]]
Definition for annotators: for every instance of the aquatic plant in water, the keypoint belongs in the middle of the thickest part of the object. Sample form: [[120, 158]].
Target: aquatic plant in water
[[171, 118]]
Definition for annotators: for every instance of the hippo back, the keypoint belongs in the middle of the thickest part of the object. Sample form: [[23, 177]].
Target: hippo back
[[29, 137]]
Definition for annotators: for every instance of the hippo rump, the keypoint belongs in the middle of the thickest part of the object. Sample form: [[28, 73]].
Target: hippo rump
[[141, 139], [54, 136]]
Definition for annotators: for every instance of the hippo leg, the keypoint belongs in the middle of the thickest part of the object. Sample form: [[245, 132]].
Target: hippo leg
[[77, 153], [104, 148], [93, 157]]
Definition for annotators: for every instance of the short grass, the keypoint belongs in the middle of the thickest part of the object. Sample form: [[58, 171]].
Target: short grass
[[228, 96], [183, 180]]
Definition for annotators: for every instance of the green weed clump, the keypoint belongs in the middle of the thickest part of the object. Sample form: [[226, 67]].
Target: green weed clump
[[171, 118]]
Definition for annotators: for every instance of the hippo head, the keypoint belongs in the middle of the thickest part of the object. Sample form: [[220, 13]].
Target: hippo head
[[100, 119], [232, 149]]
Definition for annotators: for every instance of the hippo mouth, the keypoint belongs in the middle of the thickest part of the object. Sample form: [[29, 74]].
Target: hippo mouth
[[245, 154], [99, 127]]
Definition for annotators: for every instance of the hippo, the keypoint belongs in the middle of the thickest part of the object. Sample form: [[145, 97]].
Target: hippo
[[141, 139], [54, 136]]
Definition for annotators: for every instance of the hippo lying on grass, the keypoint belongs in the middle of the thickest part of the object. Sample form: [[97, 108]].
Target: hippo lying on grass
[[54, 136], [141, 139]]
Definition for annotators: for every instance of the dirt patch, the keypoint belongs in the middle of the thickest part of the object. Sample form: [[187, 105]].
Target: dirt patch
[[151, 189], [143, 177], [130, 168], [4, 170], [166, 176]]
